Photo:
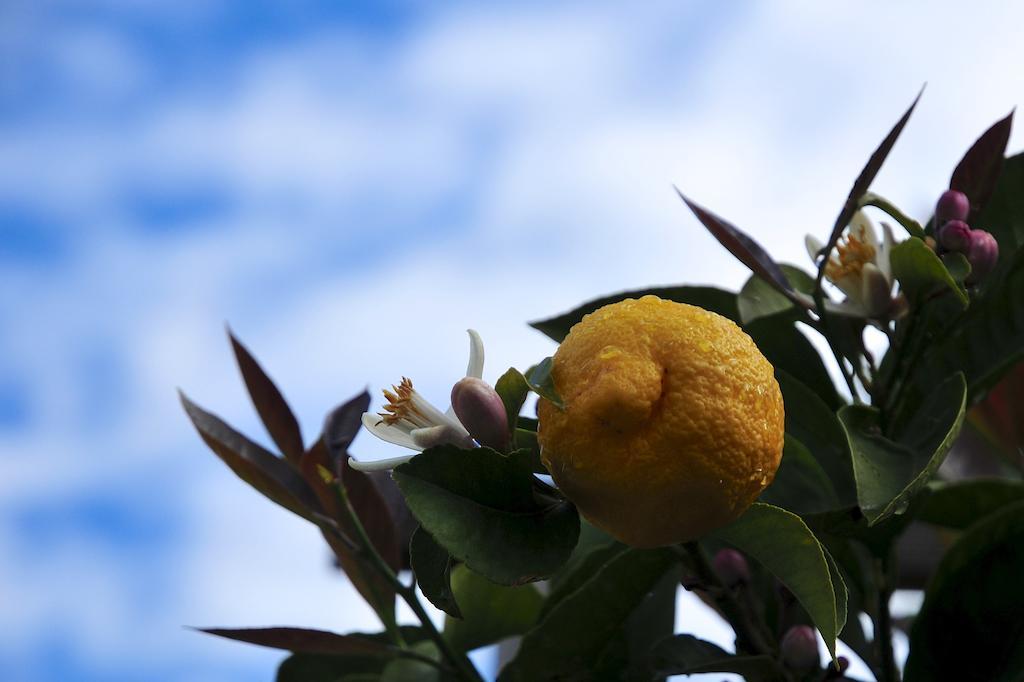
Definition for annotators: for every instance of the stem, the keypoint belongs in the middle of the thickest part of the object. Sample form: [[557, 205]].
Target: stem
[[740, 617], [908, 223], [883, 636], [459, 661]]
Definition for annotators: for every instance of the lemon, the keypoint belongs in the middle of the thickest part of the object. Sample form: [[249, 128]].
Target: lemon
[[673, 422]]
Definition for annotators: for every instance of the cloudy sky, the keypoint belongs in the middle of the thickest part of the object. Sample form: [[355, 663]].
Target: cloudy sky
[[351, 186]]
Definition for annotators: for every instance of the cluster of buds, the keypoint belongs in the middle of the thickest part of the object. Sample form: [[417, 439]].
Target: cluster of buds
[[954, 235]]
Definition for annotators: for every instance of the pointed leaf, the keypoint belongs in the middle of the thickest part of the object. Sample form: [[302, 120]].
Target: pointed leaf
[[758, 298], [1003, 214], [970, 625], [890, 472], [342, 426], [277, 417], [687, 655], [786, 547], [867, 176], [960, 504], [269, 474], [302, 640], [709, 298], [921, 273], [541, 382], [741, 245], [573, 634], [513, 389], [977, 173], [432, 566], [480, 506], [490, 612]]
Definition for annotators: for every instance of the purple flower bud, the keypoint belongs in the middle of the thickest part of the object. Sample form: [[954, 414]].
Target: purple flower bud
[[478, 406], [800, 649], [732, 567], [952, 205], [955, 236], [983, 255]]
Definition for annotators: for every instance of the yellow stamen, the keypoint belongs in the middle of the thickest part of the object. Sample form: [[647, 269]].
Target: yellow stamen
[[399, 405], [854, 253]]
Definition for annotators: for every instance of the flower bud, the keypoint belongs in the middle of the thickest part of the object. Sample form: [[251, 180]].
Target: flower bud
[[952, 205], [480, 409], [800, 649], [732, 567], [983, 255], [955, 236]]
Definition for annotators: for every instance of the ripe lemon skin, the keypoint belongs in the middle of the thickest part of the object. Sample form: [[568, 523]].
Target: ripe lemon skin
[[673, 421]]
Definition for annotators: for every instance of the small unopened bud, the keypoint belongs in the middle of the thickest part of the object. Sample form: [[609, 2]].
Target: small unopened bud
[[983, 256], [732, 567], [478, 406], [952, 205], [800, 649], [955, 236]]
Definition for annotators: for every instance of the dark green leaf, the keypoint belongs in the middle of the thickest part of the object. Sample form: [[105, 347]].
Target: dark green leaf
[[1003, 215], [301, 640], [323, 668], [984, 343], [580, 569], [709, 298], [480, 506], [277, 417], [758, 298], [784, 545], [687, 655], [800, 485], [812, 423], [958, 265], [432, 566], [890, 472], [541, 382], [963, 503], [921, 274], [867, 175], [573, 634], [269, 474], [785, 346], [741, 245], [490, 612], [978, 171], [513, 389], [970, 625]]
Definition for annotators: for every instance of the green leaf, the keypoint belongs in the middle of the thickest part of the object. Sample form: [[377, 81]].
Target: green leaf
[[977, 173], [921, 273], [800, 484], [811, 422], [277, 417], [970, 625], [1003, 215], [573, 635], [984, 343], [709, 298], [957, 265], [302, 640], [490, 612], [578, 571], [890, 472], [687, 655], [758, 298], [789, 351], [411, 670], [481, 506], [513, 389], [542, 383], [265, 472], [432, 566], [786, 547], [321, 668], [963, 503]]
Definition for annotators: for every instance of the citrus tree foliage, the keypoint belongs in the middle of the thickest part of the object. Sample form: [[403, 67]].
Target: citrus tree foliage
[[481, 533]]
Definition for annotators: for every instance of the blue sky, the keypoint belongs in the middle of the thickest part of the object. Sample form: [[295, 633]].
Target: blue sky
[[351, 186]]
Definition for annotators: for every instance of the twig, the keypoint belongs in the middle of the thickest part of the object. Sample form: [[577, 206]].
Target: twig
[[886, 655]]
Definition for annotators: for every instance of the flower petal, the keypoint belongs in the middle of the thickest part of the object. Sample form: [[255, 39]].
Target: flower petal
[[882, 259], [476, 355], [374, 423], [877, 291], [380, 464], [814, 247], [440, 435], [863, 228]]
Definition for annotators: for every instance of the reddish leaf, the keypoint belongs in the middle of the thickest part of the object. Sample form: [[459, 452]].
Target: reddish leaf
[[269, 403], [1000, 416], [867, 175], [342, 425], [301, 640], [741, 245], [978, 171], [405, 522], [269, 474]]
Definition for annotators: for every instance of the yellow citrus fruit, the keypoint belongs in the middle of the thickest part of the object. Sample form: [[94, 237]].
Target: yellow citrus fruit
[[672, 425]]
